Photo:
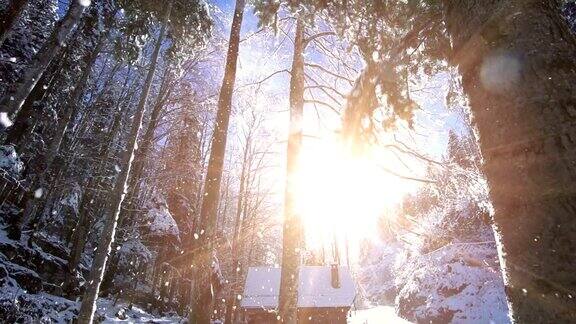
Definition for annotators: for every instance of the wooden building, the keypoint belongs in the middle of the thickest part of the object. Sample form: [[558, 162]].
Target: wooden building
[[325, 294]]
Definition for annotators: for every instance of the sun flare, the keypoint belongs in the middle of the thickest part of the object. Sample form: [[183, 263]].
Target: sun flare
[[341, 194]]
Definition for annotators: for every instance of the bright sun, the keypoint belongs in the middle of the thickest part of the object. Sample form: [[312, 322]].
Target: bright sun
[[342, 195]]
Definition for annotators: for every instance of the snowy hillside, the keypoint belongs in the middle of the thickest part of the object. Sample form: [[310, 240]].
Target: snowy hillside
[[458, 282]]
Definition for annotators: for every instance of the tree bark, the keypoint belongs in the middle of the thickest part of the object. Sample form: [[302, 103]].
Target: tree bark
[[14, 98], [77, 241], [516, 59], [292, 240], [10, 18], [208, 212], [236, 235], [88, 306], [148, 138], [22, 126], [145, 147], [133, 187]]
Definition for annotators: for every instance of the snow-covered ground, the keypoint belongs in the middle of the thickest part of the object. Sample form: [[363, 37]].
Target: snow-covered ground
[[17, 305], [23, 298], [376, 315], [121, 312]]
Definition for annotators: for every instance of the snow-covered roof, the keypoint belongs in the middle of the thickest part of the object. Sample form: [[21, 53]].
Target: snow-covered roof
[[314, 288], [261, 288]]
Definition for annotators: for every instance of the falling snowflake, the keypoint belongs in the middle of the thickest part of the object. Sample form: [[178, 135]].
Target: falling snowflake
[[38, 193], [4, 120]]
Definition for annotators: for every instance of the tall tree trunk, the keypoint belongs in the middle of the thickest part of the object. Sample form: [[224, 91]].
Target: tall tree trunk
[[236, 236], [145, 146], [77, 241], [208, 213], [147, 140], [292, 230], [224, 210], [88, 306], [16, 95], [61, 127], [16, 134], [516, 59], [10, 18], [127, 213]]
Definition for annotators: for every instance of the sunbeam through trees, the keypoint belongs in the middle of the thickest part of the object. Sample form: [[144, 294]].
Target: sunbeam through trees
[[296, 161]]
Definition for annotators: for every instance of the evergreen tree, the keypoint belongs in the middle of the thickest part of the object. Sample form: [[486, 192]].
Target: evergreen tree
[[9, 18], [13, 100], [200, 312], [196, 15]]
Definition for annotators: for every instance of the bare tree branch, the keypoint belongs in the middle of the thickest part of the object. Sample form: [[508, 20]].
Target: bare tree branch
[[319, 86], [263, 80], [325, 70], [313, 37], [405, 177], [323, 104]]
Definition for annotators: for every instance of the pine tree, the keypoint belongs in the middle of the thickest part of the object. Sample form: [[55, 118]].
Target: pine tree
[[200, 312], [88, 306], [14, 99], [292, 235], [10, 17]]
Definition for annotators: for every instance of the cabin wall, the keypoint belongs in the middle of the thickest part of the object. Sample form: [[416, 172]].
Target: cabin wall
[[259, 316], [305, 316], [323, 315]]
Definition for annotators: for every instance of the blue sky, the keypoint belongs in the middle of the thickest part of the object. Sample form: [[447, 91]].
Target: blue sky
[[250, 20]]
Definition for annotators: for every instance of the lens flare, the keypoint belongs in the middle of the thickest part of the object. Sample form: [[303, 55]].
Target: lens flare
[[343, 195]]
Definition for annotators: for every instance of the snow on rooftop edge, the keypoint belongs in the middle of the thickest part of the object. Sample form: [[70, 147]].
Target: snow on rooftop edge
[[314, 289]]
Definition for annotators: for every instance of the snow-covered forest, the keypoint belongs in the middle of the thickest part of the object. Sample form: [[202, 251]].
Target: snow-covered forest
[[295, 161]]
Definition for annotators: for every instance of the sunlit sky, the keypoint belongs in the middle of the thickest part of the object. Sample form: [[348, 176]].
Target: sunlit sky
[[340, 195]]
